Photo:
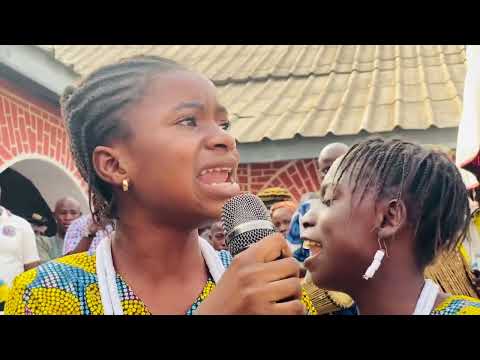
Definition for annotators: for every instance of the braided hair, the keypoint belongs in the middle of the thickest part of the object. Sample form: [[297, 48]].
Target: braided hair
[[94, 111], [427, 182]]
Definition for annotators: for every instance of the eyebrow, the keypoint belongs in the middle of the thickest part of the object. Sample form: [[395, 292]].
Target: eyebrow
[[198, 105], [189, 105]]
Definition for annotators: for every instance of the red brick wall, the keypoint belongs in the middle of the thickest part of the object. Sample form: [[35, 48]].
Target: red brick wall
[[30, 126], [298, 176]]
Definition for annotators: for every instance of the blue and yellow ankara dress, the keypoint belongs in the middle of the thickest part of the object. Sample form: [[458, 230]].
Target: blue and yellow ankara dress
[[69, 286]]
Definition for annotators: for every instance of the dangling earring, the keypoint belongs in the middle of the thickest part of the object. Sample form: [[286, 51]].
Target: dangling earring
[[377, 261], [125, 185]]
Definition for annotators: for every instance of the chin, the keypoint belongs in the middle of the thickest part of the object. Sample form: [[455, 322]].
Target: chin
[[321, 278]]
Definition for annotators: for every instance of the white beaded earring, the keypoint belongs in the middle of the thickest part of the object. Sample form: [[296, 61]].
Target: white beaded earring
[[377, 261]]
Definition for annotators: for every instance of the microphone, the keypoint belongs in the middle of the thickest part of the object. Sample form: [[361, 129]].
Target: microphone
[[246, 220]]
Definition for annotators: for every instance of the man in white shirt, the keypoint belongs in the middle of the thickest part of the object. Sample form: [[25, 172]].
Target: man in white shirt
[[18, 248]]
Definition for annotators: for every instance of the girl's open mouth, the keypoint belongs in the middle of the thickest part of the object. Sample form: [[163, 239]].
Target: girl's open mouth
[[219, 181]]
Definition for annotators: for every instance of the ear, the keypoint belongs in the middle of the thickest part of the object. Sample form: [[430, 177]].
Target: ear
[[107, 165], [393, 216]]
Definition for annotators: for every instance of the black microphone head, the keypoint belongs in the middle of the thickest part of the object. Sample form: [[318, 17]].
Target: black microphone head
[[246, 220]]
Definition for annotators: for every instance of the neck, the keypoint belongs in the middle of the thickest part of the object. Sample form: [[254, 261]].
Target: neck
[[394, 290], [157, 251]]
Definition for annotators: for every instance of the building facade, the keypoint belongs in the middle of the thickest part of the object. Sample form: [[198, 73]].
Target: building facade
[[286, 103]]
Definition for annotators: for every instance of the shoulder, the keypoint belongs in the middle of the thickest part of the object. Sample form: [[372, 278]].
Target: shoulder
[[56, 287], [43, 241], [20, 223], [458, 305]]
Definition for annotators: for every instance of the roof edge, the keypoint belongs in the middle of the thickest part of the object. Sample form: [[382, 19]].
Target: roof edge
[[309, 147], [38, 64]]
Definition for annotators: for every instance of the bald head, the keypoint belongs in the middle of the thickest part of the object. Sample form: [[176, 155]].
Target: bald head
[[328, 155], [66, 201], [67, 210]]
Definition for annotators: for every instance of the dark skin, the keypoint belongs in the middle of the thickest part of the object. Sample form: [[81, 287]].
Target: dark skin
[[179, 124], [217, 236], [397, 284], [281, 219], [327, 156], [66, 211]]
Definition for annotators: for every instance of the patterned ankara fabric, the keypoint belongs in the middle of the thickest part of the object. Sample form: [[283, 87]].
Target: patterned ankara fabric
[[69, 286], [458, 305]]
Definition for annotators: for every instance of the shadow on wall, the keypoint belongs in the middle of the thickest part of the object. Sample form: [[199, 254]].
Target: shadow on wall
[[22, 198]]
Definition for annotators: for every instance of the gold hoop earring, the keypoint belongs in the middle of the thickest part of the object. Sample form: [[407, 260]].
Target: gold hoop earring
[[125, 185]]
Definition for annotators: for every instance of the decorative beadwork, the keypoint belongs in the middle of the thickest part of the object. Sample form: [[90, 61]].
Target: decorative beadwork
[[69, 286], [458, 305]]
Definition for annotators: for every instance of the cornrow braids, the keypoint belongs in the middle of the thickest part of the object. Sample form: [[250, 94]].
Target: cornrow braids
[[93, 111], [427, 182]]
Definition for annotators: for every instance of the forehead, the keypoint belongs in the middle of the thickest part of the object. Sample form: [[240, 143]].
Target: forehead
[[218, 226], [67, 205], [171, 88], [284, 211]]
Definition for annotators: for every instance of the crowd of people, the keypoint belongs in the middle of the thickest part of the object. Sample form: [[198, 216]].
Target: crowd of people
[[392, 228]]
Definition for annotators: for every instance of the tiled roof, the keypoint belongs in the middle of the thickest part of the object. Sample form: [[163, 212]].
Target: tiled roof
[[277, 92]]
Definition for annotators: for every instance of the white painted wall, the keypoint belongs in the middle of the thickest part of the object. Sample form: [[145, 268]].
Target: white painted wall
[[52, 181]]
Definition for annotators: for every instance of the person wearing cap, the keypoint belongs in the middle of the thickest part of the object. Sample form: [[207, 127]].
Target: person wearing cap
[[272, 195], [18, 249], [39, 224], [46, 245]]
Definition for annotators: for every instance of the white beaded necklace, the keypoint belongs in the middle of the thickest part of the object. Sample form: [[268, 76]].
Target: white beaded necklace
[[107, 275]]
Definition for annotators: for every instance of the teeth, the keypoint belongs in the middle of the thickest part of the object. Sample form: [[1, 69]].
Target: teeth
[[215, 169], [231, 183], [307, 244]]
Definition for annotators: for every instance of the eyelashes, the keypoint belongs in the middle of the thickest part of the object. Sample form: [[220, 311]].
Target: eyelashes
[[193, 122]]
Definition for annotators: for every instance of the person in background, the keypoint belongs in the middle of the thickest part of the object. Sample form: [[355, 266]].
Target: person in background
[[204, 232], [18, 249], [217, 236], [281, 213], [300, 253], [453, 270], [272, 195], [39, 224], [390, 207], [66, 211], [84, 234], [44, 243], [327, 156]]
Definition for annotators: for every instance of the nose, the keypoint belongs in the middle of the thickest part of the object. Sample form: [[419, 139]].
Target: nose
[[219, 139], [309, 219]]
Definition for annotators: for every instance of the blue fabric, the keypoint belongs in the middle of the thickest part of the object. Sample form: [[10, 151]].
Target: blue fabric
[[293, 235]]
